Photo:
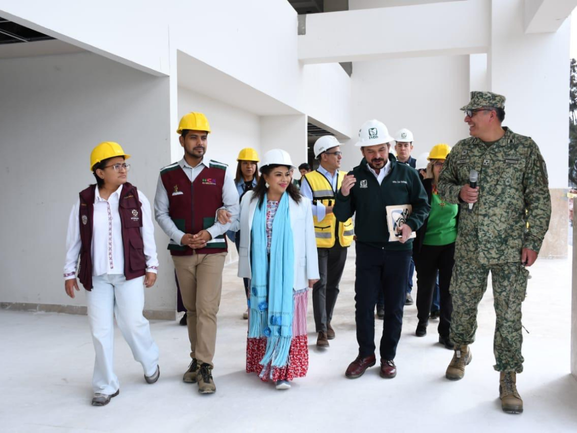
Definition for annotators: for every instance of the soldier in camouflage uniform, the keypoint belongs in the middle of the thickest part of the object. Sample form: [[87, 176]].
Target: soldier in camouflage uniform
[[502, 233]]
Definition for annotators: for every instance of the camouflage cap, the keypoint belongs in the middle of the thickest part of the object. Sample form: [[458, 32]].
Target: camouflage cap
[[485, 99]]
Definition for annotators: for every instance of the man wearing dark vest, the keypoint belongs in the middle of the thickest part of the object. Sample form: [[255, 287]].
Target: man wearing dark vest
[[333, 237], [188, 194]]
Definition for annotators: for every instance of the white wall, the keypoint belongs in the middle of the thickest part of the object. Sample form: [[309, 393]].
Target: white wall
[[285, 132], [328, 97], [232, 129], [532, 71], [54, 110], [421, 94]]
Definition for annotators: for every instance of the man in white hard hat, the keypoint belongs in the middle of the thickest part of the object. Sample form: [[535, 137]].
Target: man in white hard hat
[[404, 148], [377, 182], [188, 194], [332, 237]]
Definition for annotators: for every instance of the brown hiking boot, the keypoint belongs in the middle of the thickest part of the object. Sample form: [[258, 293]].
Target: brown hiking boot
[[192, 372], [322, 340], [510, 399], [205, 382], [461, 358]]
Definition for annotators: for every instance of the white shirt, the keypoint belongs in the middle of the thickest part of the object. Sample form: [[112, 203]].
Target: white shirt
[[161, 202], [382, 173], [319, 210], [107, 249]]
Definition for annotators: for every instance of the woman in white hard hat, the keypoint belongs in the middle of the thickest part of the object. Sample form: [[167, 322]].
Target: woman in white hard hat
[[245, 180], [110, 229], [280, 257], [433, 250]]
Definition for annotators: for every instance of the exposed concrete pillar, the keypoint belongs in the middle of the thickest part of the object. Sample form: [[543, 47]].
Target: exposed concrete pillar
[[574, 299]]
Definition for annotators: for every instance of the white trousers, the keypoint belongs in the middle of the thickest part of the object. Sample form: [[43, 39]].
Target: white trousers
[[113, 296]]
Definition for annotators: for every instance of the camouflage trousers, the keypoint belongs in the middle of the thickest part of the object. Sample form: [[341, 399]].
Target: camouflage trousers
[[468, 284]]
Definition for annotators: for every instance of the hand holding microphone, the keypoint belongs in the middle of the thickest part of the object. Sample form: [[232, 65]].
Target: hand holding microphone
[[470, 192]]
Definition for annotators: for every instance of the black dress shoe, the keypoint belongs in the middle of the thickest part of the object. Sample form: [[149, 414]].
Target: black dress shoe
[[435, 314], [381, 312], [446, 341], [358, 367], [421, 330], [408, 299], [183, 320]]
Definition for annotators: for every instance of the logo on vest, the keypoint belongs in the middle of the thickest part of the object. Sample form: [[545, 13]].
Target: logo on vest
[[134, 215], [84, 219], [209, 181], [364, 183], [176, 191]]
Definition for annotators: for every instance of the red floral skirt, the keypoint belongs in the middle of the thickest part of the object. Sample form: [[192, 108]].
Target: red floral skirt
[[298, 362]]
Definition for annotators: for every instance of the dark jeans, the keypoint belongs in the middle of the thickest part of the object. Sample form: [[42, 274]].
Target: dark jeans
[[409, 286], [436, 306], [430, 260], [380, 270], [326, 290]]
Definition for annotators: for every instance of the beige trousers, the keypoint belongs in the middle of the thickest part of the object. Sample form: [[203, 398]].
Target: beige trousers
[[200, 280]]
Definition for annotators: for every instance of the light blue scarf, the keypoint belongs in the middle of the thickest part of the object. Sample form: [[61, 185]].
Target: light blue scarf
[[273, 317]]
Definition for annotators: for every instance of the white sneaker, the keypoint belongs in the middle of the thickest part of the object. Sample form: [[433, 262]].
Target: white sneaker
[[282, 385]]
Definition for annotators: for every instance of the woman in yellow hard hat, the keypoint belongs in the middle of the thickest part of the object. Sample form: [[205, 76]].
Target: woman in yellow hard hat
[[434, 248], [110, 229], [245, 180]]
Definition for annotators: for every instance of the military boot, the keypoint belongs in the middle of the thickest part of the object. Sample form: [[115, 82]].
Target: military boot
[[192, 372], [461, 358], [205, 382], [510, 399]]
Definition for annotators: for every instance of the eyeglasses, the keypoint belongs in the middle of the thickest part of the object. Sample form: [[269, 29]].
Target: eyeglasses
[[471, 113], [438, 163], [334, 153], [119, 166]]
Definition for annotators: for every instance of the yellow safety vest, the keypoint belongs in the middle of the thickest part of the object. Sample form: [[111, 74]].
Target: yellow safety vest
[[326, 229]]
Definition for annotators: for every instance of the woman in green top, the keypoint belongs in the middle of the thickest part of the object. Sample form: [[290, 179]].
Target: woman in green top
[[434, 249]]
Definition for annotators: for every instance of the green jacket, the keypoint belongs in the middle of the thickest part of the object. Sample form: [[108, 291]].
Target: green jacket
[[368, 199], [514, 206]]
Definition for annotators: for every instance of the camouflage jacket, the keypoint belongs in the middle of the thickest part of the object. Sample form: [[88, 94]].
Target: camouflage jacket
[[514, 205]]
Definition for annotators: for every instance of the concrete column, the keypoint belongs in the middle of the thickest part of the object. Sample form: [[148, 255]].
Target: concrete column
[[574, 299]]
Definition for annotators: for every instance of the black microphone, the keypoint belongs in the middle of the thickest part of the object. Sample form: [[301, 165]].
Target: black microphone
[[473, 178]]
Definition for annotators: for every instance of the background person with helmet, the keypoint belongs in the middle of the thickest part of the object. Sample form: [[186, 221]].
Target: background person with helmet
[[278, 253], [332, 237], [245, 179], [379, 181], [110, 229], [433, 250], [502, 225], [188, 194], [404, 147]]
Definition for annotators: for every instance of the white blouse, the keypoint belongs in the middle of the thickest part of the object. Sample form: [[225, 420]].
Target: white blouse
[[107, 247]]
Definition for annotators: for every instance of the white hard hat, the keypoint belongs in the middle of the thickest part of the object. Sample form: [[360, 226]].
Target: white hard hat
[[422, 161], [372, 133], [325, 143], [404, 135], [276, 157]]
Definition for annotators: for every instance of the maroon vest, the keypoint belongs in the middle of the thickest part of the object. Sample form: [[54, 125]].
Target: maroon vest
[[131, 221], [192, 206]]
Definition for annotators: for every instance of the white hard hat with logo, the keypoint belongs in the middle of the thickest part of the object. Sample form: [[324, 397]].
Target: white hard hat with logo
[[372, 133], [404, 136], [325, 143], [276, 157]]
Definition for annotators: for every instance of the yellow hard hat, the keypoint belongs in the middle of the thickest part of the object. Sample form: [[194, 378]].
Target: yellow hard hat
[[193, 121], [105, 150], [248, 154], [439, 151]]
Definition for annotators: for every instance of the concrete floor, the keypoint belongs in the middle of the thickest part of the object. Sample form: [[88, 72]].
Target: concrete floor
[[47, 362]]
